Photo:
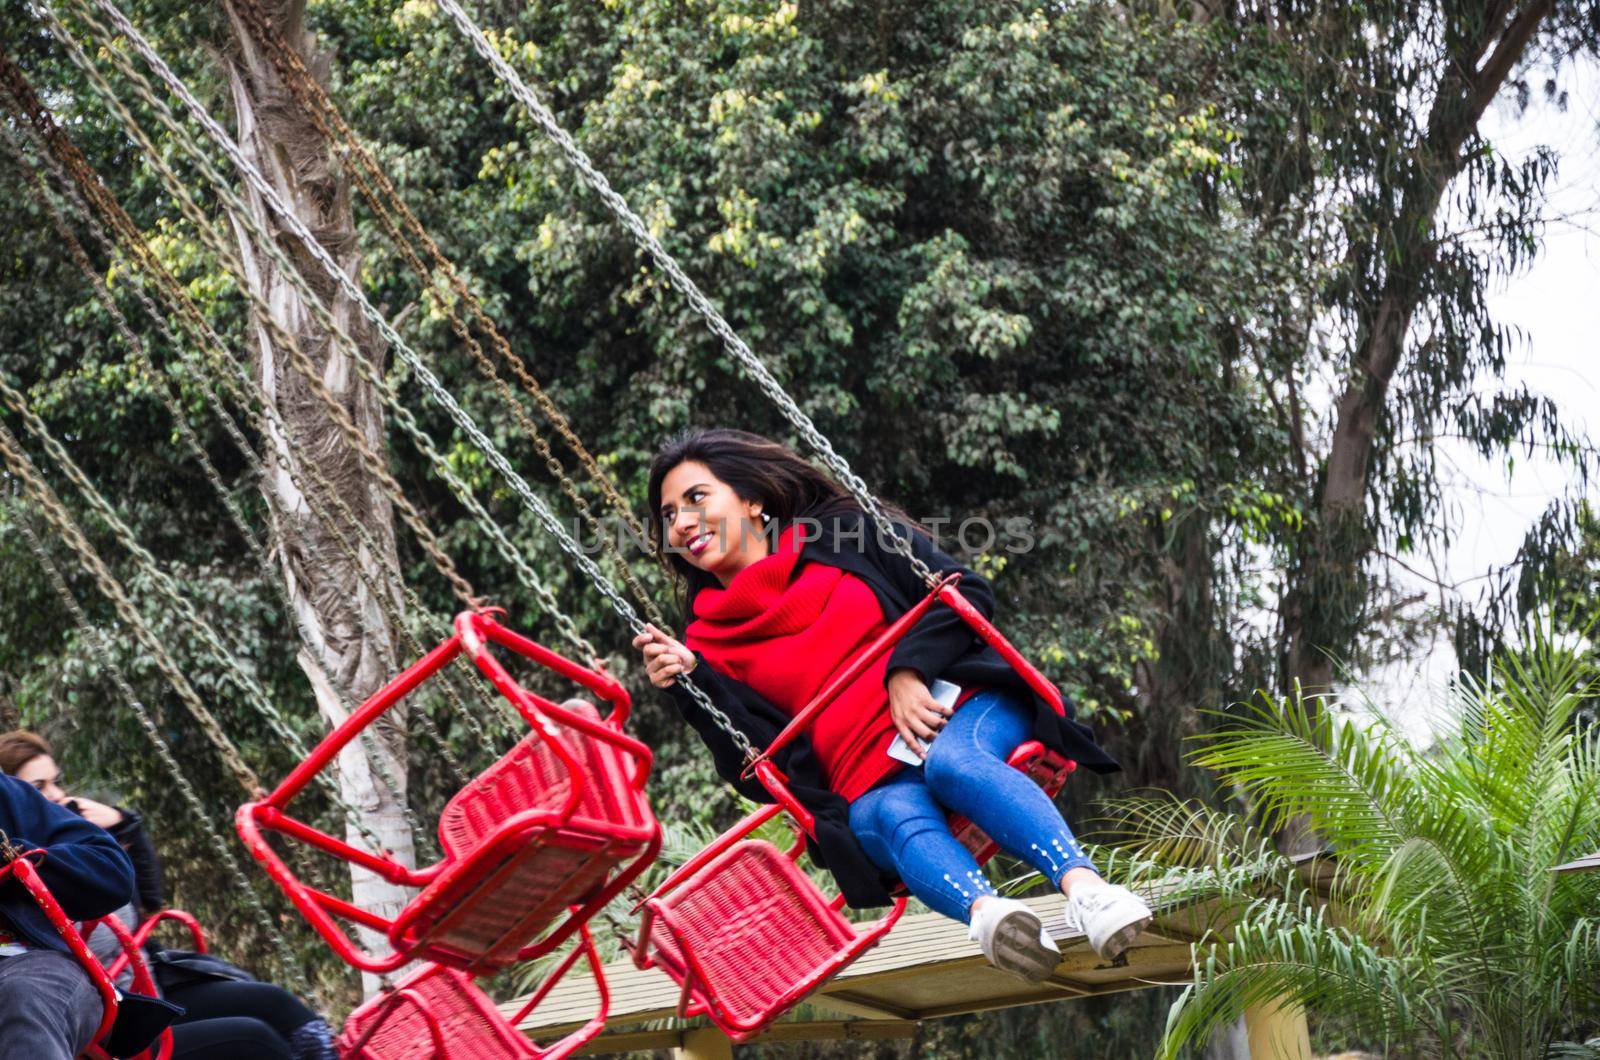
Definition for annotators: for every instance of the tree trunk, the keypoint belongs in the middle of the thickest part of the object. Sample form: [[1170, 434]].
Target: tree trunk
[[1182, 680], [347, 644]]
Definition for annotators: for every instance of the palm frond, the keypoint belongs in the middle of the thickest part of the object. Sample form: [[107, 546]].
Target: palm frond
[[1283, 954], [1293, 760]]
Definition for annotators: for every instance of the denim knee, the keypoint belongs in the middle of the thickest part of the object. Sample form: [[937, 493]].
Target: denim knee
[[944, 765]]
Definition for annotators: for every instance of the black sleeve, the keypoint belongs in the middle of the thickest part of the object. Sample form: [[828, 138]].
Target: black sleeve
[[733, 698], [940, 636], [133, 838]]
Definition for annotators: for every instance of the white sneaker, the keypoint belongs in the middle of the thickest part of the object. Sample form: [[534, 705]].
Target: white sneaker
[[1109, 914], [1013, 939]]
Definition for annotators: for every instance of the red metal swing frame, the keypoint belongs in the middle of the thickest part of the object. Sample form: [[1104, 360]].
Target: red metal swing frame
[[23, 871], [487, 855], [143, 981], [672, 932], [141, 935], [444, 1008]]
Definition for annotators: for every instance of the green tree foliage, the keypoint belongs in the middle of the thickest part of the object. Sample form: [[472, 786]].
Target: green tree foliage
[[1439, 929]]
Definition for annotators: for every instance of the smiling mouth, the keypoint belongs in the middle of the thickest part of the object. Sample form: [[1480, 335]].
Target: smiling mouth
[[699, 544]]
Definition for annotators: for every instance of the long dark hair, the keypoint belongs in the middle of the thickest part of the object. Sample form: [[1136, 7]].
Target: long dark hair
[[758, 469]]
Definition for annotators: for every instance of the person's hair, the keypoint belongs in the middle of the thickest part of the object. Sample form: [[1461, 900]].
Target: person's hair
[[758, 469], [19, 747]]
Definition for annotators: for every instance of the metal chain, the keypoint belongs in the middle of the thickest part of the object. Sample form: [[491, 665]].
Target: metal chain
[[351, 290], [192, 443], [17, 460], [97, 286], [718, 325], [101, 642], [382, 196], [120, 323], [166, 586], [341, 417], [430, 381], [55, 142], [229, 259]]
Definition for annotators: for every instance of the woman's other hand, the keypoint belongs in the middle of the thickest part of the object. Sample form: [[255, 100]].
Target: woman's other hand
[[916, 714], [96, 813], [664, 658]]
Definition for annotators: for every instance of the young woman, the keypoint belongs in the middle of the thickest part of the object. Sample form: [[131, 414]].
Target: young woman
[[227, 1013], [784, 579]]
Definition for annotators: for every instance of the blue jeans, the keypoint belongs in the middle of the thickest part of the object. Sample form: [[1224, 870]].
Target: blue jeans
[[902, 821]]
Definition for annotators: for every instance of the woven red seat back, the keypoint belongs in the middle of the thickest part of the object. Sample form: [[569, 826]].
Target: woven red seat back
[[532, 776], [502, 895], [757, 924], [468, 1021]]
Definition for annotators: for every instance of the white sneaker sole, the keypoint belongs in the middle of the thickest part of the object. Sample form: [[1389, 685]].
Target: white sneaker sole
[[1116, 944], [1117, 927], [1018, 949]]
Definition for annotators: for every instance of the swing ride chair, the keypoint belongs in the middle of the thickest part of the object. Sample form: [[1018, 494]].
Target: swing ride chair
[[22, 870], [740, 927], [438, 1012], [144, 982], [533, 847]]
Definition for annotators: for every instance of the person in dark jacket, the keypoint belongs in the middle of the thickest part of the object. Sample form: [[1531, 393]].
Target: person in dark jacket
[[49, 1008], [785, 579], [227, 1012]]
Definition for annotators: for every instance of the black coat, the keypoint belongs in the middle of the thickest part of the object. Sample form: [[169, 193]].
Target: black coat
[[940, 645]]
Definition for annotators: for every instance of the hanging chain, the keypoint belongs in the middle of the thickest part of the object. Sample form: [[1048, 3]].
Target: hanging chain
[[96, 284], [15, 459], [382, 196], [56, 143], [320, 255], [714, 320], [425, 723], [425, 375], [101, 644], [309, 243], [230, 261]]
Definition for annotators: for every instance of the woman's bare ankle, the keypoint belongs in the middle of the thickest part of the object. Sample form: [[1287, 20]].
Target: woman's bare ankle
[[1074, 877]]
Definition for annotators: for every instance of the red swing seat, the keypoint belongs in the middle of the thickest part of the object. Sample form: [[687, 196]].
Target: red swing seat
[[742, 930], [532, 848], [22, 870], [746, 933], [439, 1013]]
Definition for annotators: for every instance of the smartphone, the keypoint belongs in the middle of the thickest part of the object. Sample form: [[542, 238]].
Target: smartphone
[[946, 695]]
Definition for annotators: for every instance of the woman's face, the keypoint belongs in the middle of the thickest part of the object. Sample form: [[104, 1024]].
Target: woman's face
[[708, 524], [42, 772]]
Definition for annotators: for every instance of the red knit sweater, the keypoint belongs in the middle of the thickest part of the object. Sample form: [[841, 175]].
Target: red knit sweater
[[784, 634]]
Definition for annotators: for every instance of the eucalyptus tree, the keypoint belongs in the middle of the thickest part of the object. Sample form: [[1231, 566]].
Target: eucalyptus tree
[[1409, 216]]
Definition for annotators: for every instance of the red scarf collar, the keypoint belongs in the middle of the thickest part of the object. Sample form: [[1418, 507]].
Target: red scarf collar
[[759, 602]]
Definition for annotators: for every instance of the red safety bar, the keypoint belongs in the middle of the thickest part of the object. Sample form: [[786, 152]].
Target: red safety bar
[[745, 932], [532, 848], [740, 927], [440, 1014], [22, 870], [143, 981], [197, 937]]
